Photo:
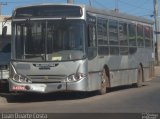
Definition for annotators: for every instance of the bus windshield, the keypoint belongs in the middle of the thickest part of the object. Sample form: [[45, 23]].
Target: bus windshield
[[51, 40]]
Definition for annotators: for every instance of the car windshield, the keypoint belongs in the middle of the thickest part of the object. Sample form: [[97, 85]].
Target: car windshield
[[51, 40]]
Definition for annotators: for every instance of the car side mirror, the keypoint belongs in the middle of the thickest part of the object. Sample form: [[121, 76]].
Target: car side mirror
[[4, 31]]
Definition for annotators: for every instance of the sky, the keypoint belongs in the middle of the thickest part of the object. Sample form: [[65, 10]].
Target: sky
[[142, 8]]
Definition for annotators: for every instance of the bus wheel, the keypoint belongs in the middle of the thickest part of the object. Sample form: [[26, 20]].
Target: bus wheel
[[139, 76], [104, 82]]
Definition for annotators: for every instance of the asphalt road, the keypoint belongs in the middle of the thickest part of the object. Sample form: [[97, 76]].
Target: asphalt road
[[127, 99]]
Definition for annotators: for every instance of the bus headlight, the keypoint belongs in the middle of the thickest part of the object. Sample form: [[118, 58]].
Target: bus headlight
[[21, 79], [17, 77], [75, 77]]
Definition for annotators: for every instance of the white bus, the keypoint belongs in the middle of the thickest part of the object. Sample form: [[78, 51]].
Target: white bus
[[65, 47]]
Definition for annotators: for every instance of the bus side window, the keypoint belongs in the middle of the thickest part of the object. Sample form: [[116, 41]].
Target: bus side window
[[147, 36], [4, 31], [92, 49], [132, 38], [132, 35], [140, 39]]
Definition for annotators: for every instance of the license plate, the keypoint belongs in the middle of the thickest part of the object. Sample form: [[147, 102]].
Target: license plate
[[40, 88]]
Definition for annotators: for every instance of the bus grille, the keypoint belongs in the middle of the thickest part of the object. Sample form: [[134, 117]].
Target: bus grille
[[48, 78]]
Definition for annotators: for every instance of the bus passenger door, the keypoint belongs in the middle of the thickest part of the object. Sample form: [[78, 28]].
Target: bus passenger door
[[92, 54]]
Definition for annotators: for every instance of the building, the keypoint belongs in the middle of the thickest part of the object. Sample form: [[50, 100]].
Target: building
[[8, 24]]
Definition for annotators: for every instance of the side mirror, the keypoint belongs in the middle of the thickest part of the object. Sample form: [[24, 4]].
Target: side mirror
[[4, 31]]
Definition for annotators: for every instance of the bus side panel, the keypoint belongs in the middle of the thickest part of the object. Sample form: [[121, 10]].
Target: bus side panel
[[132, 76], [94, 75], [143, 56], [114, 78], [118, 66], [123, 70], [124, 77], [94, 81], [146, 72]]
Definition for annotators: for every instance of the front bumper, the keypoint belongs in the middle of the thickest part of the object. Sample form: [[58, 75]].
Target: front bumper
[[80, 85]]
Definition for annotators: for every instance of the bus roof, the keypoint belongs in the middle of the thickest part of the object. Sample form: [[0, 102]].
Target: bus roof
[[117, 14], [105, 12]]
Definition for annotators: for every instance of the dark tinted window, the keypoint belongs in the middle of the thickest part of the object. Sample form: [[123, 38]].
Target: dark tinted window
[[102, 31], [49, 11], [132, 34], [50, 40], [113, 32], [103, 50], [35, 38], [132, 50], [140, 41], [123, 50], [20, 38], [66, 35], [114, 50], [147, 36], [123, 34]]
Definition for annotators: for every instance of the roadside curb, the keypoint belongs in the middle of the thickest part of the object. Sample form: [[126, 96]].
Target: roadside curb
[[149, 79]]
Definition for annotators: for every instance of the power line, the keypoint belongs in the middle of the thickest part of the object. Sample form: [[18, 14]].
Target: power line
[[117, 5], [90, 3], [26, 1], [128, 4], [98, 3], [140, 6], [135, 6], [1, 4], [145, 15]]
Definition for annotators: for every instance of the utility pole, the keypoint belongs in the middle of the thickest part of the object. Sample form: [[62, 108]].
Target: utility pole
[[90, 3], [1, 3], [70, 1], [157, 50], [116, 5]]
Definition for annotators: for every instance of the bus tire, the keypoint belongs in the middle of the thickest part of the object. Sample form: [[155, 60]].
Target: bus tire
[[104, 80], [139, 76]]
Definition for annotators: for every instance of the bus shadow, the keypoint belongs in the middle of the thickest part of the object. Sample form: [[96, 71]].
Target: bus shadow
[[37, 97], [125, 87]]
